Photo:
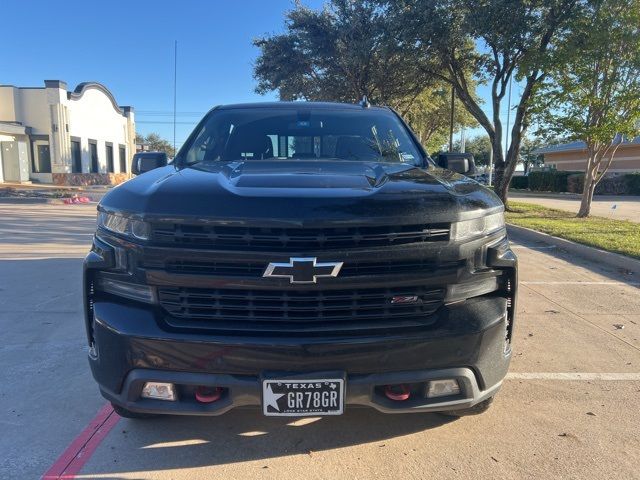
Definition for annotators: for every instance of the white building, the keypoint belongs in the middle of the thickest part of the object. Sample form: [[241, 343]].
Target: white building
[[50, 135]]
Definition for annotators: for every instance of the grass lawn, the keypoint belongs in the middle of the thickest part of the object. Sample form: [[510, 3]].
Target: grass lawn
[[618, 236]]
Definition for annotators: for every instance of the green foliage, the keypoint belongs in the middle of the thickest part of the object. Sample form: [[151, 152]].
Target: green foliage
[[339, 53], [633, 183], [156, 143], [465, 42], [593, 91], [429, 116], [527, 157], [346, 51], [520, 183], [549, 181], [479, 146], [593, 94]]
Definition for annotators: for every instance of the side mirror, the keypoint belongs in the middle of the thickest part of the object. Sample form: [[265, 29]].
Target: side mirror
[[145, 161], [458, 162]]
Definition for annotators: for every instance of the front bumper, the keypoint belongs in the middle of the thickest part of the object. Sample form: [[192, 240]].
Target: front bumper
[[467, 342]]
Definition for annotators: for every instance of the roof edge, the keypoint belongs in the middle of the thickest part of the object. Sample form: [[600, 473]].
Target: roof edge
[[84, 86]]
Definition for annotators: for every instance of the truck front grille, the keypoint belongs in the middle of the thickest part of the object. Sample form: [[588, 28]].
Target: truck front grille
[[302, 312], [256, 269], [292, 239]]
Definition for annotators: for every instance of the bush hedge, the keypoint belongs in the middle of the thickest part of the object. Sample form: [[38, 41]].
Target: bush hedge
[[619, 185], [633, 183], [549, 181], [521, 183], [573, 182]]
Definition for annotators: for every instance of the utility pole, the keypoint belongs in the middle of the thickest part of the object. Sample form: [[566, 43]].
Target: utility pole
[[453, 106], [506, 137], [175, 89], [491, 165]]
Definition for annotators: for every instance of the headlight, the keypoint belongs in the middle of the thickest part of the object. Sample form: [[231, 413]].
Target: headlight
[[126, 226], [478, 227], [133, 291]]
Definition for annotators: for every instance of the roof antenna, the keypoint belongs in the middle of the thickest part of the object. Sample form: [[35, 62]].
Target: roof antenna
[[364, 103]]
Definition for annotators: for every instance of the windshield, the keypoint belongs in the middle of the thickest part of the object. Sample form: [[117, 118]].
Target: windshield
[[301, 133]]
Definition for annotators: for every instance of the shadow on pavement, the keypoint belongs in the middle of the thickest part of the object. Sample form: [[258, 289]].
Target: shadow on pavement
[[167, 443]]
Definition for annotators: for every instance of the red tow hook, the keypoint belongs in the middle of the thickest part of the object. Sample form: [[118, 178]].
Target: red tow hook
[[208, 394], [398, 393]]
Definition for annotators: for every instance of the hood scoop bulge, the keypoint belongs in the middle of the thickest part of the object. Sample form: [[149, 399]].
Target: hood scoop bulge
[[304, 174]]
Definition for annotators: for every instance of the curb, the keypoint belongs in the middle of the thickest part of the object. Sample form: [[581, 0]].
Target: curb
[[41, 201], [593, 254], [23, 200]]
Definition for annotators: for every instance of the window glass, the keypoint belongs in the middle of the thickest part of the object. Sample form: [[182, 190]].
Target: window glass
[[110, 166], [43, 160], [76, 157], [302, 133]]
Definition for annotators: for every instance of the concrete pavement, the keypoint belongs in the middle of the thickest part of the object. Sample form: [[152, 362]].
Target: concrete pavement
[[627, 206], [569, 409]]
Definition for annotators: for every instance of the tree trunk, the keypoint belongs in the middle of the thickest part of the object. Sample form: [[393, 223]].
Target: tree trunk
[[590, 180], [587, 194]]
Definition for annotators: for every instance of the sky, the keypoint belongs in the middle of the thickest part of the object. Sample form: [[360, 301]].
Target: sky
[[129, 47]]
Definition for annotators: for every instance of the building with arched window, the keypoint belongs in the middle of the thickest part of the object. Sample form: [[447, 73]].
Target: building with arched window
[[51, 135]]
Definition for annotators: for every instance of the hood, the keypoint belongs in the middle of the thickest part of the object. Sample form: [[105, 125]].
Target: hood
[[301, 193]]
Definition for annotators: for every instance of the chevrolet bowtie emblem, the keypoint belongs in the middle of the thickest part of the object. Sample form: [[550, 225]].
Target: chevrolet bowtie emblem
[[303, 270]]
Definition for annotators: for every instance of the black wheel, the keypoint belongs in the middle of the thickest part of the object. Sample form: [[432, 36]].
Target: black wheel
[[475, 410], [124, 413]]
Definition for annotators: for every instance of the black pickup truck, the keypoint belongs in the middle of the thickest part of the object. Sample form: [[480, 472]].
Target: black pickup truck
[[301, 258]]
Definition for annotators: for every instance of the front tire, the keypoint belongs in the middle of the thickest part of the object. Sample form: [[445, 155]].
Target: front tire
[[125, 413], [475, 410]]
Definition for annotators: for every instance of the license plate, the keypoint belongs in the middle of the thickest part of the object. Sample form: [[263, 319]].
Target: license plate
[[299, 398]]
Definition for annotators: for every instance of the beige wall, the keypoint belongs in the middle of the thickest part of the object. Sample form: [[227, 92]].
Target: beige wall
[[93, 116], [626, 160], [54, 116], [27, 106]]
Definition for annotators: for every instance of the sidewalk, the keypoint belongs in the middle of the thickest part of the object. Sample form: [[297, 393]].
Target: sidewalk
[[46, 193], [627, 207]]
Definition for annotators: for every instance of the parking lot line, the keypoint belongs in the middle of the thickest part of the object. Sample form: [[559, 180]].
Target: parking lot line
[[69, 464], [573, 376], [633, 284]]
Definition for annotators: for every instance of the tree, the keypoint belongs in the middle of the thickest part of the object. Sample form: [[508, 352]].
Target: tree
[[430, 113], [595, 96], [527, 156], [340, 53], [344, 52], [488, 41], [156, 143], [479, 146]]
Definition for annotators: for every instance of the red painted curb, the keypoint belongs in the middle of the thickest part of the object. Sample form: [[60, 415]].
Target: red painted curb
[[69, 464]]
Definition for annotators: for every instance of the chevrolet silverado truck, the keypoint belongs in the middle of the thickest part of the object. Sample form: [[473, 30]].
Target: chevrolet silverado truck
[[300, 258]]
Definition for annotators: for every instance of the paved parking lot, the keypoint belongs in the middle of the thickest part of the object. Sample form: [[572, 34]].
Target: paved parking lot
[[569, 408]]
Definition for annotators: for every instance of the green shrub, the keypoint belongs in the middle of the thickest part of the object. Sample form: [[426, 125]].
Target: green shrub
[[632, 181], [549, 181], [575, 183], [521, 183], [615, 185], [612, 186]]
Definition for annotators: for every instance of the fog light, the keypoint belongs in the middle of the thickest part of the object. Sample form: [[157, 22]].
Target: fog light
[[443, 388], [159, 391]]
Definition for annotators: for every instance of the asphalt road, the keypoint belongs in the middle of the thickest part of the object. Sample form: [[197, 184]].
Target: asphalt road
[[570, 407], [627, 207]]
